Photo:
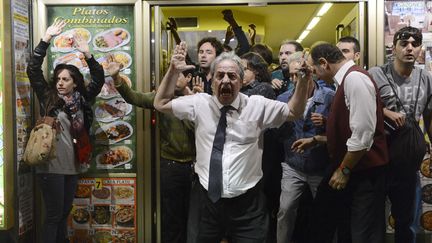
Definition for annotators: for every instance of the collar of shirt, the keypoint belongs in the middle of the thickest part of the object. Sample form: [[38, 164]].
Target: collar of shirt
[[235, 104], [341, 72]]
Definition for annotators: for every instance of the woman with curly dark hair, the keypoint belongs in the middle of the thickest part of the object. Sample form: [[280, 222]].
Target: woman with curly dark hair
[[69, 100], [256, 80]]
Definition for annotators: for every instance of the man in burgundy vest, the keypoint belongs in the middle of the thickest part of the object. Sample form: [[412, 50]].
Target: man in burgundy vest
[[357, 146]]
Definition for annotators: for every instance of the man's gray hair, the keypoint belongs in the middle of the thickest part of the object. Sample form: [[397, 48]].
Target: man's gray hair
[[228, 56]]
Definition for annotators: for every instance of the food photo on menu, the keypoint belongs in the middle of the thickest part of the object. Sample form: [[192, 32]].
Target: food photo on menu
[[124, 194], [111, 110], [101, 195], [108, 89], [112, 133], [65, 41], [124, 216], [101, 215], [80, 217], [111, 39], [112, 157], [75, 58], [120, 57]]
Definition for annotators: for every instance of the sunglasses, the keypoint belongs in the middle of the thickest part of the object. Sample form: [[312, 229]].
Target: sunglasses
[[404, 36]]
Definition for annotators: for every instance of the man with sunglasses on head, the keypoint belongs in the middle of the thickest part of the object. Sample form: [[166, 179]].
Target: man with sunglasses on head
[[228, 135], [410, 83]]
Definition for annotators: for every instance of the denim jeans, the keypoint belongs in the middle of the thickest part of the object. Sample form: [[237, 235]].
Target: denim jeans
[[293, 184], [58, 193]]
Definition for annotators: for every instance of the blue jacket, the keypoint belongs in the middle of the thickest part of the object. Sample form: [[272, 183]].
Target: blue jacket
[[314, 160]]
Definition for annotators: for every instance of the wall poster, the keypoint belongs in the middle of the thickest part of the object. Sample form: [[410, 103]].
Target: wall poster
[[23, 111], [109, 31]]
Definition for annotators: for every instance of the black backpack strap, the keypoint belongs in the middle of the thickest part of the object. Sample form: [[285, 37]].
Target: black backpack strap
[[391, 83], [418, 91]]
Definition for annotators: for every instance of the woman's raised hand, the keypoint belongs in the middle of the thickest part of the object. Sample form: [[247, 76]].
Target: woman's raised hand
[[82, 45], [55, 29]]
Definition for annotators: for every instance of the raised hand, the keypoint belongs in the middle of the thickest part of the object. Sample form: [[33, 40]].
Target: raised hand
[[113, 69], [82, 45], [172, 24], [229, 34], [178, 60], [55, 29], [197, 85]]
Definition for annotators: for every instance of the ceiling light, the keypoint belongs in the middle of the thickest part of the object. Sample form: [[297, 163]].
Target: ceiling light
[[299, 40], [313, 22], [209, 31], [324, 9], [304, 34]]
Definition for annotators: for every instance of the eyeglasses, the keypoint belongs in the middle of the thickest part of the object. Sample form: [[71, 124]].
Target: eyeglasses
[[404, 36], [231, 76]]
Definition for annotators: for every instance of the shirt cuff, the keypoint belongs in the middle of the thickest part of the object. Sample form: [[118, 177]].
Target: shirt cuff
[[357, 142]]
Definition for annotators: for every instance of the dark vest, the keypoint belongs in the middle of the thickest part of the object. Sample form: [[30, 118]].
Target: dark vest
[[338, 130]]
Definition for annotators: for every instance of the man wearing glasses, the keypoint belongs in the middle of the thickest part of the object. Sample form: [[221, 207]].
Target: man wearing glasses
[[400, 78], [228, 136], [302, 168]]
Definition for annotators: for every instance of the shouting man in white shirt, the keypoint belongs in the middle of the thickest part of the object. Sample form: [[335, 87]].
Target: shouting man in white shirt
[[228, 133]]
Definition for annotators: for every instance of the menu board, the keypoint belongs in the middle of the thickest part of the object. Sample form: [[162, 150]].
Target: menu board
[[104, 210], [109, 31]]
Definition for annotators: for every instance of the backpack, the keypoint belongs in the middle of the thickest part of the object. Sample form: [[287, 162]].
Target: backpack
[[41, 146], [407, 146]]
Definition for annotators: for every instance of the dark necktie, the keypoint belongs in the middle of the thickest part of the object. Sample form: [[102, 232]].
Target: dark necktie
[[215, 173]]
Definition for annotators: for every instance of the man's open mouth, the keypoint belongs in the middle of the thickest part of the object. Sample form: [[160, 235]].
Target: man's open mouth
[[225, 91]]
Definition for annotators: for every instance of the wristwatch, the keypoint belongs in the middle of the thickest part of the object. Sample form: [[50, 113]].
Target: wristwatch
[[345, 170]]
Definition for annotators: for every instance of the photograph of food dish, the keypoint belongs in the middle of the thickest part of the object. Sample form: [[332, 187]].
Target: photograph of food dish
[[425, 168], [74, 58], [108, 89], [102, 236], [123, 193], [114, 157], [113, 132], [101, 215], [427, 193], [111, 110], [125, 216], [426, 220], [125, 236], [111, 39], [65, 41], [83, 191], [119, 56], [102, 193], [80, 215]]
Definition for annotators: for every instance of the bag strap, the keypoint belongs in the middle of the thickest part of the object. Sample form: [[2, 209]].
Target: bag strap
[[386, 74]]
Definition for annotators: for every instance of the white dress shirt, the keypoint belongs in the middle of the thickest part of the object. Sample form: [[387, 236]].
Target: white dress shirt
[[360, 99], [242, 154]]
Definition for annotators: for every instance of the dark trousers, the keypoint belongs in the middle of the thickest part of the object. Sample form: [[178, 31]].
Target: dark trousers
[[58, 192], [364, 197], [175, 193], [243, 219], [401, 186]]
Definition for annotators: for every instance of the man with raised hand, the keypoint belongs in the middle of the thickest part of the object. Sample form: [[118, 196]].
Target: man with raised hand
[[228, 130]]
